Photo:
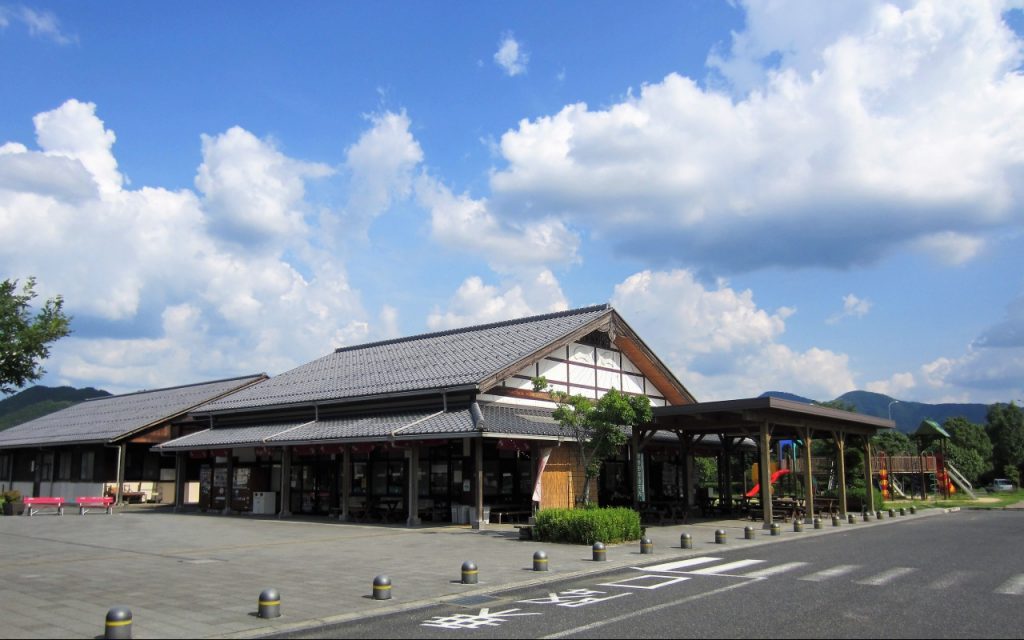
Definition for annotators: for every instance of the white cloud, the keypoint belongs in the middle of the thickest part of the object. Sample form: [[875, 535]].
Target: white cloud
[[951, 248], [878, 129], [40, 24], [253, 192], [720, 344], [511, 57], [153, 261], [853, 307], [381, 164], [477, 303], [898, 384]]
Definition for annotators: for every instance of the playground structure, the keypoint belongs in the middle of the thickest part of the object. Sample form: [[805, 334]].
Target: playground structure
[[909, 476]]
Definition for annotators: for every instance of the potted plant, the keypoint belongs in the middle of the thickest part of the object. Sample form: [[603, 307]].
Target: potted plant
[[12, 502]]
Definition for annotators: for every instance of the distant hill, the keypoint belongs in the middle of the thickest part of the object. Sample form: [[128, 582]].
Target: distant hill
[[40, 400], [907, 414]]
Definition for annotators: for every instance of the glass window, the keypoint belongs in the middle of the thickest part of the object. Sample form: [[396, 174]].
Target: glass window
[[395, 477], [88, 464], [359, 479], [5, 466]]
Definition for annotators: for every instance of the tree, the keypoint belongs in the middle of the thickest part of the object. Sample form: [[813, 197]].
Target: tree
[[598, 428], [969, 448], [892, 442], [25, 338], [1006, 429]]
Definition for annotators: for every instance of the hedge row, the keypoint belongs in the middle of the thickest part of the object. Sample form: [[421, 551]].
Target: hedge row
[[587, 526]]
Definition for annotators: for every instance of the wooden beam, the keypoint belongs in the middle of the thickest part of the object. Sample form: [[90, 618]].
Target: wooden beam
[[764, 471], [808, 479], [840, 438]]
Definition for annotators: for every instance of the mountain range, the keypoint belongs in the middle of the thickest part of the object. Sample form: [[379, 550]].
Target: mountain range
[[906, 413], [40, 400]]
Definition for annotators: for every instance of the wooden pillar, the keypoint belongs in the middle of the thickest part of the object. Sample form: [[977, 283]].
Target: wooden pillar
[[765, 473], [479, 489], [634, 449], [869, 492], [726, 493], [346, 483], [230, 482], [840, 438], [286, 483], [179, 480], [412, 454], [122, 459], [808, 479]]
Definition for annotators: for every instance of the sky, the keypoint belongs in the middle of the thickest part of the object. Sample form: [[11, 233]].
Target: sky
[[776, 195]]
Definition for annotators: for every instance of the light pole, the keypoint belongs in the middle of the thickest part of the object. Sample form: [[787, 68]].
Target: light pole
[[890, 408]]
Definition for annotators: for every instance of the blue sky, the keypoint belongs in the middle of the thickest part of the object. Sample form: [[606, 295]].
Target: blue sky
[[811, 197]]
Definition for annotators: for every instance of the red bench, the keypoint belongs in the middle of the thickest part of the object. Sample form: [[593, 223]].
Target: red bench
[[99, 502], [32, 505]]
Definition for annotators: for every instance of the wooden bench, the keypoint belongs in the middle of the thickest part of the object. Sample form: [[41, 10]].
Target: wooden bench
[[96, 502], [35, 505]]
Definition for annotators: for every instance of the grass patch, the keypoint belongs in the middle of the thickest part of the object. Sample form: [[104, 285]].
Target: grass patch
[[587, 526]]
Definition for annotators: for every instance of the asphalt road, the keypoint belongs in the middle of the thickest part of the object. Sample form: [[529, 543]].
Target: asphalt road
[[954, 576]]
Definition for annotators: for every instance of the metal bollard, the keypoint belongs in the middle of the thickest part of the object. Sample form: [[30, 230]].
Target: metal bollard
[[685, 541], [646, 546], [798, 525], [851, 518], [720, 536], [118, 624], [866, 517], [892, 513], [269, 604], [835, 521], [600, 553], [878, 515], [470, 574], [748, 533], [903, 511], [913, 509], [540, 561], [776, 529], [382, 588]]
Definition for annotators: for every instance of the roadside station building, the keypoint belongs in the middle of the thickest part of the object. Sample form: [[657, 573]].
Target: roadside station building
[[105, 443]]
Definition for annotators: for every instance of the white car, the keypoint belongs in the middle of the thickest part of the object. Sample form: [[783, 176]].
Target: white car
[[998, 485]]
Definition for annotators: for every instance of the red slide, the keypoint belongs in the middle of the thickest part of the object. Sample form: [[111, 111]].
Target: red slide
[[757, 487]]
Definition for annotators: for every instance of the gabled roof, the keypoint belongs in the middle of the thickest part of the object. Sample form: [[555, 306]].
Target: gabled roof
[[459, 359], [113, 418]]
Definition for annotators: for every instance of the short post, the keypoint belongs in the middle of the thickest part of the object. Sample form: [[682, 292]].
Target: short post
[[878, 515], [600, 553], [646, 546], [720, 536], [118, 624], [851, 518], [913, 509], [903, 511], [382, 588], [685, 541], [540, 561], [776, 529], [817, 523], [748, 533], [269, 604], [835, 521], [470, 574], [892, 513], [866, 516], [798, 525]]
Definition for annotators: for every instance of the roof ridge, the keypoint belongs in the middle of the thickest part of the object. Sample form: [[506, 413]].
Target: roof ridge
[[180, 386], [479, 327]]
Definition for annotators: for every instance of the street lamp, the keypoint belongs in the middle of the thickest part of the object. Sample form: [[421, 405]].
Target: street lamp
[[890, 408]]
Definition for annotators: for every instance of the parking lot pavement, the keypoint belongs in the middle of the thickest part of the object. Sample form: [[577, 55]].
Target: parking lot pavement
[[197, 575]]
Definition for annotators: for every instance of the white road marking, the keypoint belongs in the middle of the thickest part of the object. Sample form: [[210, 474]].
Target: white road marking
[[654, 582], [950, 579], [771, 571], [886, 576], [828, 574], [726, 568], [1013, 587], [680, 564]]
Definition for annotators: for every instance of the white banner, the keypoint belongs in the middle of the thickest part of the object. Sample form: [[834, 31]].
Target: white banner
[[544, 455]]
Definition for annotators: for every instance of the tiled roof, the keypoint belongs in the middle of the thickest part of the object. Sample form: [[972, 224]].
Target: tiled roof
[[460, 357], [524, 421], [112, 417]]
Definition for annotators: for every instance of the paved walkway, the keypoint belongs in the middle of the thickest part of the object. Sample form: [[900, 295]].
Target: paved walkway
[[193, 575]]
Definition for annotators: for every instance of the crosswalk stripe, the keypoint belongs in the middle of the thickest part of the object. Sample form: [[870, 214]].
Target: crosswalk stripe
[[726, 568], [1013, 587], [886, 576], [950, 579], [680, 564], [771, 571], [834, 572]]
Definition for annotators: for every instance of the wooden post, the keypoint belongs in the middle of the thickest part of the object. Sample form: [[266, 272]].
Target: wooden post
[[808, 479], [479, 523], [634, 447], [412, 454], [230, 488], [869, 495], [179, 480], [286, 482], [765, 471], [346, 483], [840, 438], [122, 457]]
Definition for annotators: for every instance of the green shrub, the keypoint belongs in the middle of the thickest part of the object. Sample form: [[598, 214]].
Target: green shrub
[[856, 499], [587, 526]]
